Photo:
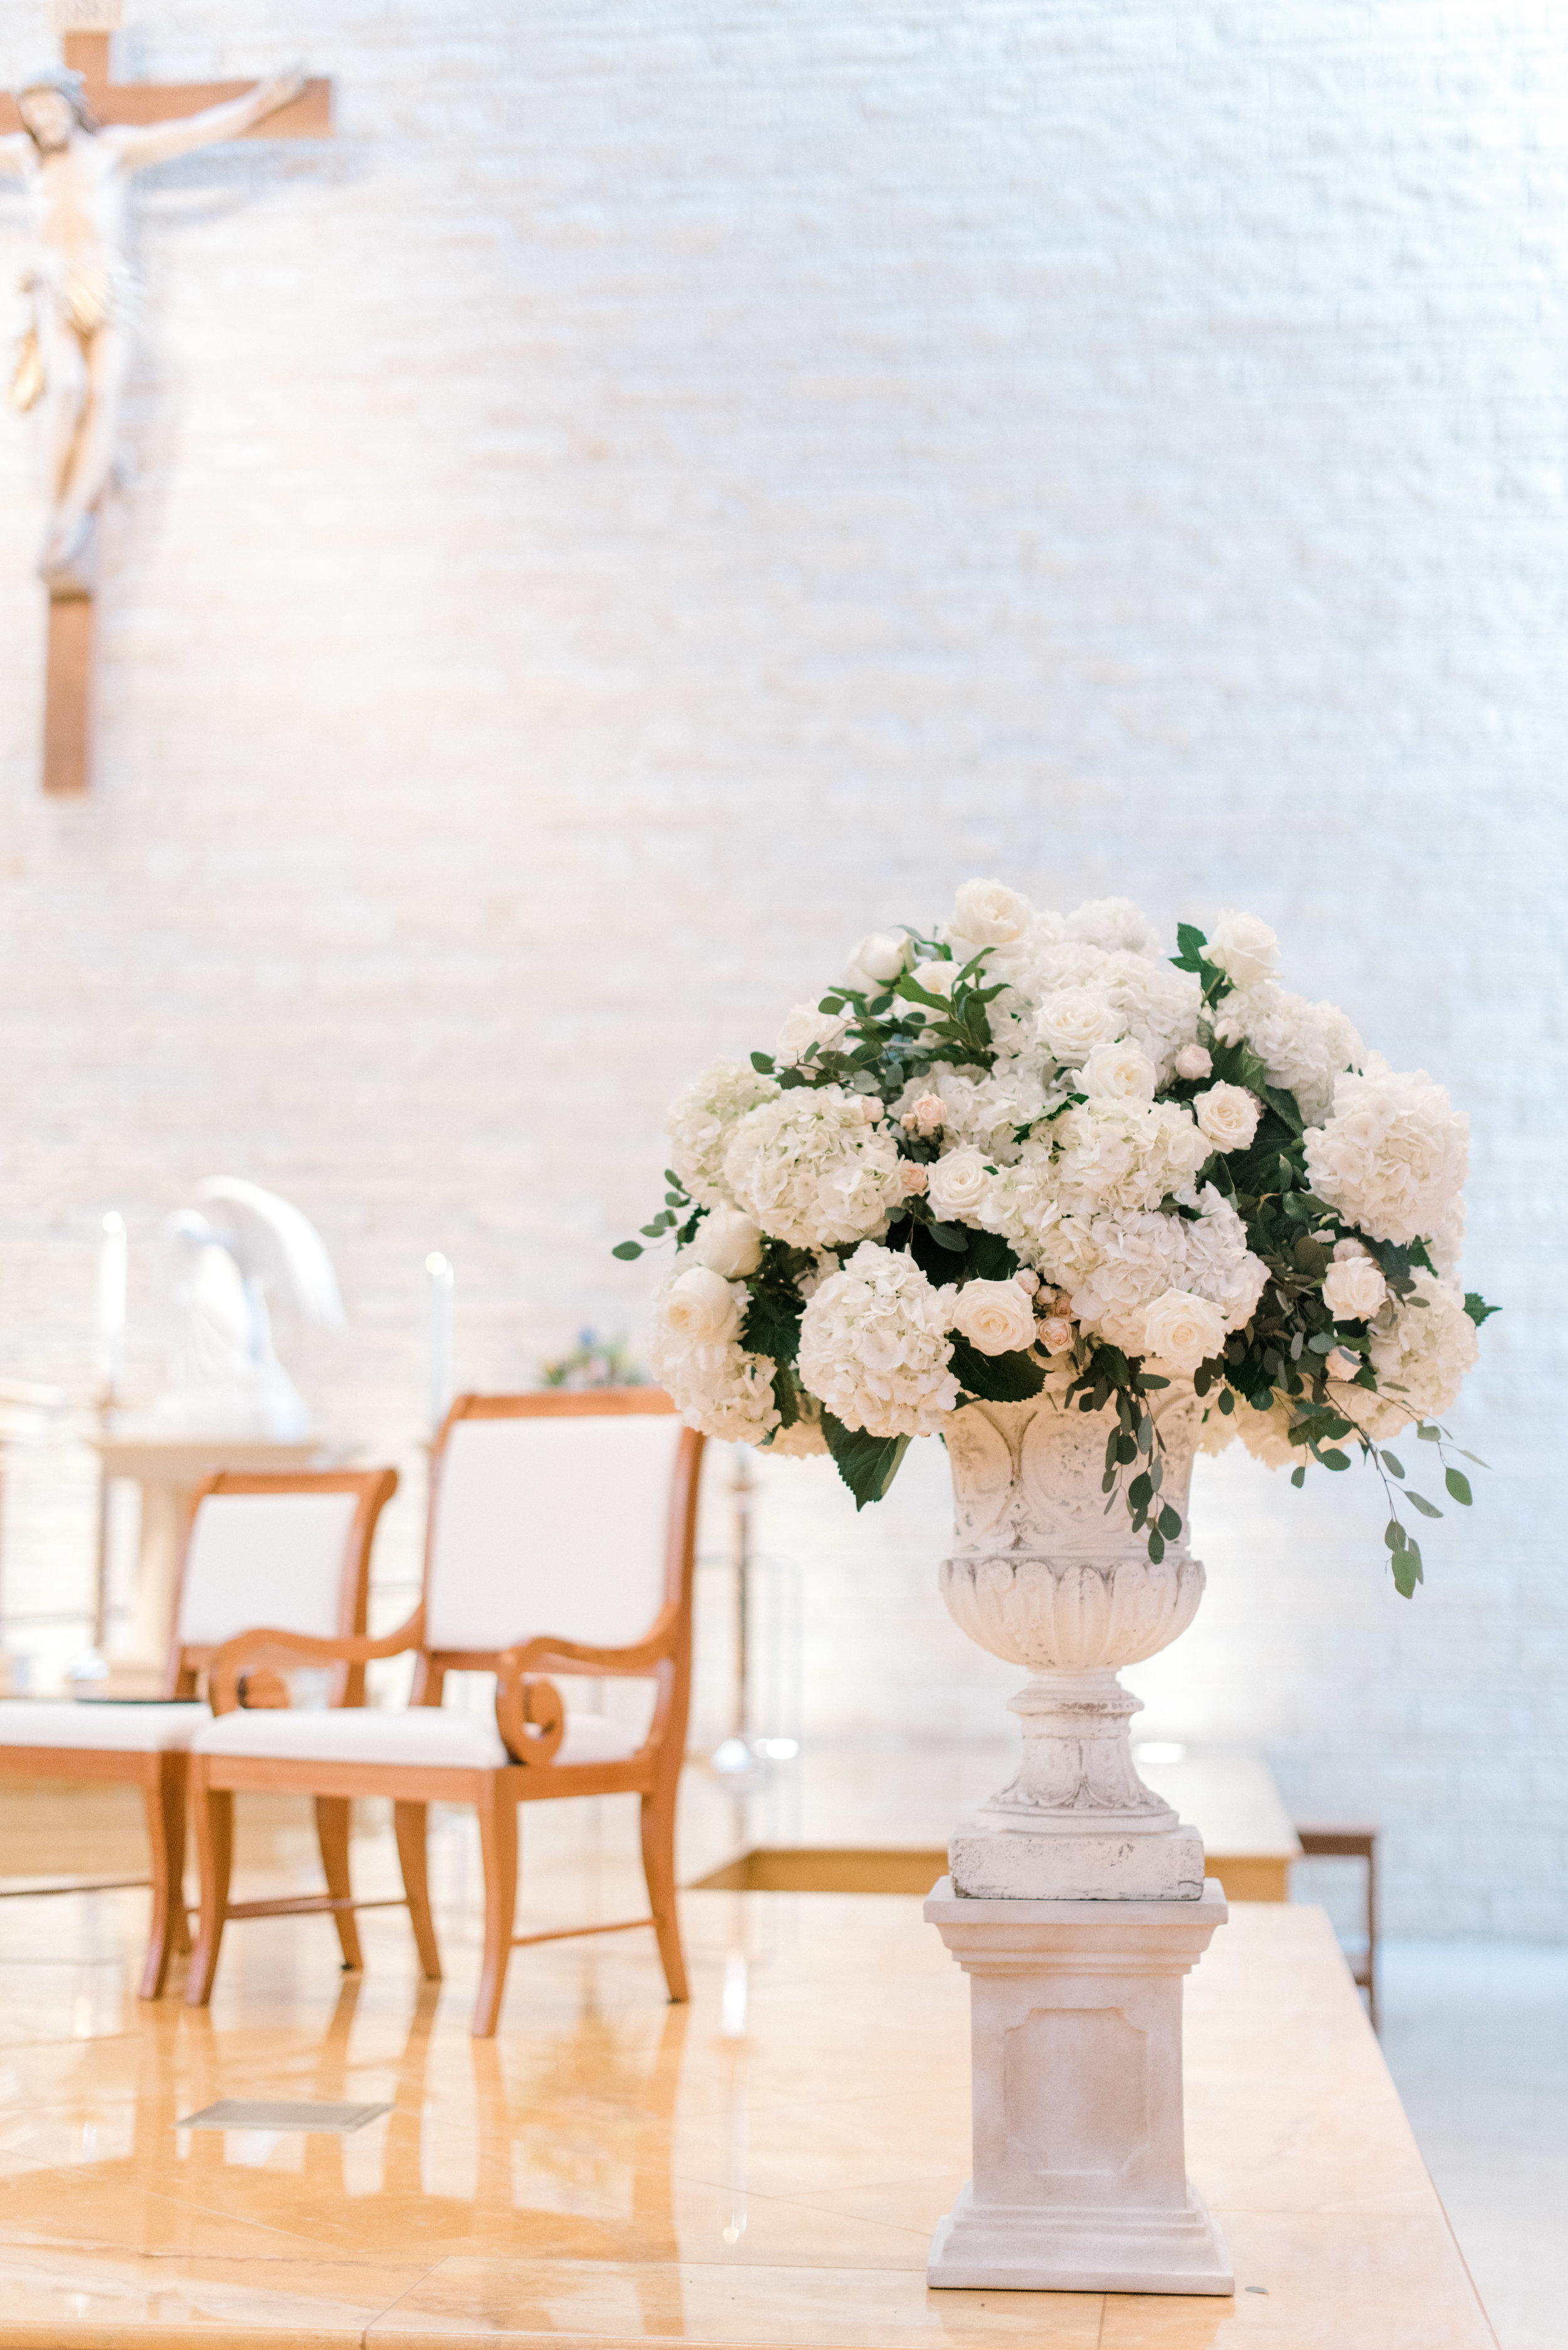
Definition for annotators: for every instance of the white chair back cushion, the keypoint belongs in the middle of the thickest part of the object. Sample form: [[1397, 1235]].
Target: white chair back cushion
[[551, 1525], [273, 1559]]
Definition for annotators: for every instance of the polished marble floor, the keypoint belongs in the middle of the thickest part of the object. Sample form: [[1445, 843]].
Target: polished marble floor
[[1476, 2035], [762, 2167]]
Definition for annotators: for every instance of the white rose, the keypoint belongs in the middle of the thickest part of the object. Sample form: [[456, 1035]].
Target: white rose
[[877, 959], [995, 1316], [806, 1026], [989, 914], [936, 977], [1228, 1115], [1245, 948], [702, 1309], [927, 1116], [1183, 1330], [1353, 1288], [1121, 1072], [1341, 1364], [728, 1242], [957, 1184], [1194, 1061], [1027, 1280], [1074, 1020], [1057, 1333]]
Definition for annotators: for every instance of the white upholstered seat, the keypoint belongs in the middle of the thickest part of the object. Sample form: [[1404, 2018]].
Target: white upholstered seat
[[99, 1725], [550, 1525], [275, 1558], [419, 1737]]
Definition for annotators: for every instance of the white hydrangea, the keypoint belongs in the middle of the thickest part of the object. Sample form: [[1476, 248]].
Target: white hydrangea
[[985, 1109], [1158, 1006], [1267, 1434], [1138, 1254], [1114, 1265], [1304, 1046], [1424, 1350], [715, 1384], [1117, 925], [1217, 1430], [1217, 1261], [1122, 1154], [802, 1440], [813, 1169], [1394, 1155], [702, 1120], [874, 1346]]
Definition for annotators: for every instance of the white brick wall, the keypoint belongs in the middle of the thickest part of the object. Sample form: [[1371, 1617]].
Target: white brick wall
[[672, 484]]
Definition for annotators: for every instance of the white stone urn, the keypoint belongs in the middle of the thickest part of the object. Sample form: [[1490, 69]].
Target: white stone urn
[[1043, 1574]]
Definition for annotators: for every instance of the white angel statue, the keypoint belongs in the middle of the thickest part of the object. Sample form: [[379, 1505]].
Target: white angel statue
[[240, 1245]]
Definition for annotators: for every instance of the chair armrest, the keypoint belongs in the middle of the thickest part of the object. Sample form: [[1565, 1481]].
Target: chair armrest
[[529, 1712], [534, 1655], [272, 1647]]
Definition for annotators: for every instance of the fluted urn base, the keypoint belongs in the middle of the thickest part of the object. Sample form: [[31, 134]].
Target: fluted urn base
[[1042, 1577]]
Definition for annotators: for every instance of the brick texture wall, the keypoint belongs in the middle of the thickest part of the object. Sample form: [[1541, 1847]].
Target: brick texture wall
[[671, 485]]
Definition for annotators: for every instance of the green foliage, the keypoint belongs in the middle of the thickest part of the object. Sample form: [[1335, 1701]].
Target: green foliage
[[1192, 941], [1477, 1307], [771, 1324], [868, 1465], [895, 1035], [995, 1378]]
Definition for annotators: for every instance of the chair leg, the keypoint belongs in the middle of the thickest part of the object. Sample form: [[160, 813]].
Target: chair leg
[[659, 1869], [214, 1811], [332, 1834], [498, 1842], [409, 1820], [163, 1795]]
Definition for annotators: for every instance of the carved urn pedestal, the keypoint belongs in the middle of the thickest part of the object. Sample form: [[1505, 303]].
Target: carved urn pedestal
[[1077, 1901]]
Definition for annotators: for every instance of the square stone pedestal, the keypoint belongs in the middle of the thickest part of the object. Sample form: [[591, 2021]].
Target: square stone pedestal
[[1079, 2171]]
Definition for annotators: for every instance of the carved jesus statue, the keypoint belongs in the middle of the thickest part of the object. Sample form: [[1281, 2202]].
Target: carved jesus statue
[[77, 356]]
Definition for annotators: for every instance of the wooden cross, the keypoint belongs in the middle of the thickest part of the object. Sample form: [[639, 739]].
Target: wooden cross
[[86, 26]]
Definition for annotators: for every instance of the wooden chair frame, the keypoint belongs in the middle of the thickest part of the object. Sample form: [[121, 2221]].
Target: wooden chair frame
[[530, 1715], [164, 1773]]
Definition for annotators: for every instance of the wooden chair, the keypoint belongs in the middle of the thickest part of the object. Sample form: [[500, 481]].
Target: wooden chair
[[1352, 1843], [573, 1510], [297, 1544]]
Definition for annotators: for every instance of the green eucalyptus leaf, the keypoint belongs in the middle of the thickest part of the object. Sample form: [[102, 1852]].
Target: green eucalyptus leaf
[[1458, 1486], [1419, 1501], [627, 1249], [1392, 1465]]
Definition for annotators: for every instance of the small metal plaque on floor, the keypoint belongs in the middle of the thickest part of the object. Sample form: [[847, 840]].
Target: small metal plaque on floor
[[276, 2114]]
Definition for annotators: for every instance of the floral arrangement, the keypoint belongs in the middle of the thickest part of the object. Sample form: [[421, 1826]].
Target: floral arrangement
[[1033, 1147], [594, 1362]]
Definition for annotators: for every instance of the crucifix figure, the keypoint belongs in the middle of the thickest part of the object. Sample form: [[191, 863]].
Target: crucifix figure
[[80, 139]]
